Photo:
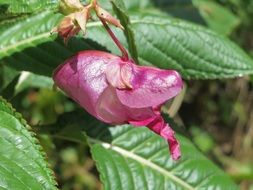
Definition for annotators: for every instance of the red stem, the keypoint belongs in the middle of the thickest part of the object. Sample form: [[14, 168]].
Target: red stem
[[125, 56]]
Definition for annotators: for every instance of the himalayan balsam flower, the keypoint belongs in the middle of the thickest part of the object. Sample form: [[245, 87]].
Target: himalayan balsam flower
[[118, 92]]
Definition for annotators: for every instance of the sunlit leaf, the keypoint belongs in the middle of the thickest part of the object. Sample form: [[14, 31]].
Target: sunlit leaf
[[135, 158], [196, 52], [23, 164]]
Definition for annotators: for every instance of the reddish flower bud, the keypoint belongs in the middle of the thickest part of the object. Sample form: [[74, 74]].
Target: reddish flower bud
[[118, 92], [78, 16], [72, 24], [107, 17]]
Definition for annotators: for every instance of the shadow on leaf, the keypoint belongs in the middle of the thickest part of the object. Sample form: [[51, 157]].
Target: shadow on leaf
[[45, 57]]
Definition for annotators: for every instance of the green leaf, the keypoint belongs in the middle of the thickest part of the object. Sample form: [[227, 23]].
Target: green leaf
[[138, 5], [23, 165], [10, 8], [120, 10], [13, 11], [35, 49], [6, 76], [197, 53], [218, 18], [7, 23], [135, 158]]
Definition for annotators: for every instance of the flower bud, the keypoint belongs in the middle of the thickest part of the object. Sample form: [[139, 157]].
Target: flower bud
[[107, 17], [72, 24]]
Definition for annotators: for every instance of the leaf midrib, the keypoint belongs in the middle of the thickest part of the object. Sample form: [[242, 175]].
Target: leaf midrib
[[143, 161], [4, 51], [47, 34]]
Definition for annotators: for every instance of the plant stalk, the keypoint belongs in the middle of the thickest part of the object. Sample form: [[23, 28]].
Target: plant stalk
[[125, 56]]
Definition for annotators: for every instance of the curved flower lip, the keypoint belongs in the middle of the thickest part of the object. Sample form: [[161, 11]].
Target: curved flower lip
[[150, 86]]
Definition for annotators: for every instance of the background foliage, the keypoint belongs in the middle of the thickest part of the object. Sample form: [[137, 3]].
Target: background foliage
[[215, 118]]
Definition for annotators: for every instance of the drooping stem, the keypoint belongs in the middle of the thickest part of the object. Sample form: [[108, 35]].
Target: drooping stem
[[125, 56]]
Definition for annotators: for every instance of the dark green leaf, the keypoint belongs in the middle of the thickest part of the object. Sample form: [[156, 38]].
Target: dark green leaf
[[135, 158], [12, 8], [35, 49], [9, 91], [139, 159], [6, 76], [23, 165], [197, 53]]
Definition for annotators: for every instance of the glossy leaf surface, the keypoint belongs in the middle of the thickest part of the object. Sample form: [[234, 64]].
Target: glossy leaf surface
[[197, 53], [23, 164], [135, 158]]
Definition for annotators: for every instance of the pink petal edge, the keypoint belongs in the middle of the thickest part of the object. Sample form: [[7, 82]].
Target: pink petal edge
[[150, 87]]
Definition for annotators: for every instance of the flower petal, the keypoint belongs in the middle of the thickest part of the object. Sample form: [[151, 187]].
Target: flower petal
[[81, 17], [168, 134], [150, 87], [82, 78], [106, 16], [157, 125], [113, 75], [118, 74], [110, 110]]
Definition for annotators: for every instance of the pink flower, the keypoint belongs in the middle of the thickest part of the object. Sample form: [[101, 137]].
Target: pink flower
[[118, 92]]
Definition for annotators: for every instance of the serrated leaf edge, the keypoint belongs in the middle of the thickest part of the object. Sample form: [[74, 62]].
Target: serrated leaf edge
[[36, 142], [139, 159], [134, 20]]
